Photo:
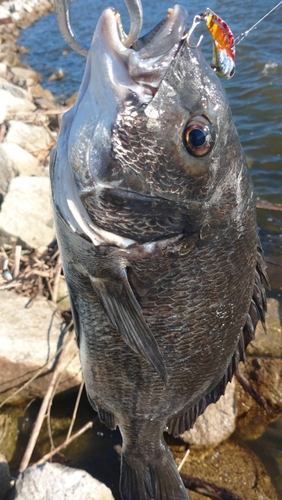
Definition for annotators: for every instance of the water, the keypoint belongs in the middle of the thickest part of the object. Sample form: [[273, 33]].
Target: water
[[255, 94]]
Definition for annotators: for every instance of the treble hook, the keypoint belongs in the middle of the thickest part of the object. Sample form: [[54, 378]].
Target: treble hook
[[197, 20], [63, 19]]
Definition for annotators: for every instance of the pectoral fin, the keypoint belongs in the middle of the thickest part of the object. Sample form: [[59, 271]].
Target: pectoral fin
[[126, 315]]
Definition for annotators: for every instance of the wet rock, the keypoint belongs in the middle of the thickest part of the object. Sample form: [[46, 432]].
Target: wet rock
[[20, 162], [231, 465], [30, 338], [26, 214], [33, 138], [55, 481], [217, 423], [4, 477]]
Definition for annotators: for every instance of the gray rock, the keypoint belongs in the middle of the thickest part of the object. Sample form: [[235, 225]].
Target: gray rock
[[58, 482], [4, 477], [33, 138], [23, 163], [26, 215], [10, 105], [217, 423], [15, 90], [29, 339]]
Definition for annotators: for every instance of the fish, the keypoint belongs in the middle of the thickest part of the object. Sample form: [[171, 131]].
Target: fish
[[156, 223]]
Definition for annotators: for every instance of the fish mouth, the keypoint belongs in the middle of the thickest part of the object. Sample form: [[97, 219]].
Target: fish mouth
[[147, 60]]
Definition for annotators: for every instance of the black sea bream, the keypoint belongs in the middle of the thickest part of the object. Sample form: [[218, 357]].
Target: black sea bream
[[156, 224]]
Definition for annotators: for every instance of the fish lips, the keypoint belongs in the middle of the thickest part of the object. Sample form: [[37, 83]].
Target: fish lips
[[141, 67]]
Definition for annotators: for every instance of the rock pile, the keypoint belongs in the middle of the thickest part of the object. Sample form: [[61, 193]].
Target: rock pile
[[29, 122]]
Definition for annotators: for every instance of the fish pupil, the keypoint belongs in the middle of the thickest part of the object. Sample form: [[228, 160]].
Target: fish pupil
[[197, 137]]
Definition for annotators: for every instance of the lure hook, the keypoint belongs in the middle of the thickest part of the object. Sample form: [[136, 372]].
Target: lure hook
[[197, 20], [62, 9]]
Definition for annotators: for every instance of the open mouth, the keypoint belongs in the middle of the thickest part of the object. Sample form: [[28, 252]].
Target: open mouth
[[149, 57]]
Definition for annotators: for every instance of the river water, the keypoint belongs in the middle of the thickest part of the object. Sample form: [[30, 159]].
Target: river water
[[255, 94]]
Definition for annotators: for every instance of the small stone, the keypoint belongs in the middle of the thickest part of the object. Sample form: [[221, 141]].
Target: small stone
[[58, 482], [26, 215], [217, 423], [58, 75], [33, 138]]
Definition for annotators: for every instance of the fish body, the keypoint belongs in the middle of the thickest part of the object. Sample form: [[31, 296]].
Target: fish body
[[156, 224]]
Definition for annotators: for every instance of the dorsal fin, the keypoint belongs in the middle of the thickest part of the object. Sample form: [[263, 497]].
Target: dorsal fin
[[256, 313]]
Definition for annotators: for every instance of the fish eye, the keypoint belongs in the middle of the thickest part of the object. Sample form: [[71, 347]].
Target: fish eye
[[199, 136]]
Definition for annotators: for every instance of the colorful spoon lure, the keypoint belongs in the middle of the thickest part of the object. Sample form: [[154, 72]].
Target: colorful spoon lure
[[223, 60]]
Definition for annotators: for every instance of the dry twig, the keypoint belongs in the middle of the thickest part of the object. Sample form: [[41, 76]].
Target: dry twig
[[252, 392], [41, 415], [75, 410]]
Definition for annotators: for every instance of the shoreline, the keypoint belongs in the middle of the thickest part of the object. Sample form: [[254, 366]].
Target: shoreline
[[22, 14]]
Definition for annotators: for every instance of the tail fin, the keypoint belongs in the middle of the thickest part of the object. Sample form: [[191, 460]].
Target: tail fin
[[154, 479]]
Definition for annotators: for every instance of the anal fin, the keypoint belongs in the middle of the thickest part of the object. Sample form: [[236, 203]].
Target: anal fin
[[107, 418]]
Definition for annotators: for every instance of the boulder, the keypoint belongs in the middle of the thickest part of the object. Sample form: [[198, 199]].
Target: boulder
[[19, 160], [13, 99], [33, 138], [217, 423], [26, 215], [58, 482], [30, 338]]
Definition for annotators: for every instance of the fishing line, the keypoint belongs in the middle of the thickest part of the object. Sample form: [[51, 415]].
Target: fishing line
[[245, 33]]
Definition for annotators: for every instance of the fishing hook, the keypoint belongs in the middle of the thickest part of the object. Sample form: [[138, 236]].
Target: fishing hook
[[62, 8], [197, 20]]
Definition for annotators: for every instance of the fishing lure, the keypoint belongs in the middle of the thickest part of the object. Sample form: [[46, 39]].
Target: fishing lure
[[223, 59]]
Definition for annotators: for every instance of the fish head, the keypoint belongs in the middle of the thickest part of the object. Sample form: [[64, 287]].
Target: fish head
[[151, 122]]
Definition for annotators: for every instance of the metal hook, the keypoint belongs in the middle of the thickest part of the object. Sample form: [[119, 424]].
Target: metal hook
[[197, 20]]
